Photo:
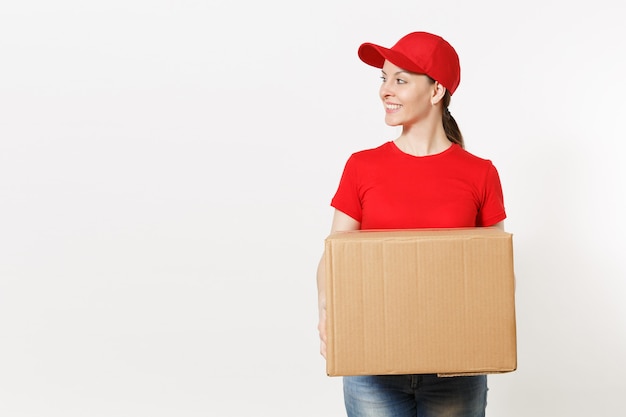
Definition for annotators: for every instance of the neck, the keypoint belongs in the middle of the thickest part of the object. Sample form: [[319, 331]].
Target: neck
[[423, 142]]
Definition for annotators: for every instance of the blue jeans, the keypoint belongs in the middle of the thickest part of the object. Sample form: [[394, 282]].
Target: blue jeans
[[415, 396]]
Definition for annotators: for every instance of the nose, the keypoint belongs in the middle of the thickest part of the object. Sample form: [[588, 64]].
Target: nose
[[386, 89]]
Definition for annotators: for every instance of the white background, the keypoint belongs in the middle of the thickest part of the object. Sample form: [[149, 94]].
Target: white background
[[166, 169]]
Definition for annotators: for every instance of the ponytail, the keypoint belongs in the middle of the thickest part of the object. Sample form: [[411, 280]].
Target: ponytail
[[449, 124]]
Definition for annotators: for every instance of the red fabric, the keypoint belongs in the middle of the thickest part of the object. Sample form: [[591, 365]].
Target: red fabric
[[419, 52], [385, 188]]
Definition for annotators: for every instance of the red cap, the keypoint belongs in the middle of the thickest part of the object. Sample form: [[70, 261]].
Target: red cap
[[419, 52]]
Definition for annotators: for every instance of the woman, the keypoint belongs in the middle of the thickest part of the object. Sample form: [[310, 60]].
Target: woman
[[422, 179]]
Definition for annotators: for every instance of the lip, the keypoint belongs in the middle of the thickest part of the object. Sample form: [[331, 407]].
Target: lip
[[392, 107]]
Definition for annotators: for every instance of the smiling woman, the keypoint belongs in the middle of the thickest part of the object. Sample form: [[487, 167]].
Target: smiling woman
[[422, 179]]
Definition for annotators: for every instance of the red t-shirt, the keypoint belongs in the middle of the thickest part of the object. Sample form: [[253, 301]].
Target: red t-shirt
[[385, 188]]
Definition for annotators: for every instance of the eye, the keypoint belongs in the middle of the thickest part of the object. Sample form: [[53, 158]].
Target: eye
[[400, 81], [383, 78]]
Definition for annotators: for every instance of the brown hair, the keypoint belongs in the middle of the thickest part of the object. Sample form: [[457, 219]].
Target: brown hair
[[449, 124]]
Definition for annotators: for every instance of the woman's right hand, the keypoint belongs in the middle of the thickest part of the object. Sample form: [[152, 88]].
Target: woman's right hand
[[321, 328], [341, 222]]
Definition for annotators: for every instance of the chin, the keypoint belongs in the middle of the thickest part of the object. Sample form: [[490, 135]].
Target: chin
[[391, 123]]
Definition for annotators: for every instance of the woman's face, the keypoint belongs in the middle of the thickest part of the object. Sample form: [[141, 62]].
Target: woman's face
[[407, 96]]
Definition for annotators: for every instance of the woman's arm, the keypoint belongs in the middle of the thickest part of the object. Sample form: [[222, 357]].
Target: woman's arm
[[341, 223]]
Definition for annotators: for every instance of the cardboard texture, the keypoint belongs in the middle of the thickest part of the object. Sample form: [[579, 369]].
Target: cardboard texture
[[420, 301]]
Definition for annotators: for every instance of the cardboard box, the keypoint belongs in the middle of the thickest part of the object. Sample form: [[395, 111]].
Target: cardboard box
[[420, 301]]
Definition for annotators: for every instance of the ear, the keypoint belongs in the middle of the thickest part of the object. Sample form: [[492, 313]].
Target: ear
[[438, 92]]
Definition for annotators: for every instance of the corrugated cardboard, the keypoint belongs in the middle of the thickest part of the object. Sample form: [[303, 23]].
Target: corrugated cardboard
[[420, 301]]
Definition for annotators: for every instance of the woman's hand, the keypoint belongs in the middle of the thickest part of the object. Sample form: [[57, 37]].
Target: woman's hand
[[321, 328], [341, 222]]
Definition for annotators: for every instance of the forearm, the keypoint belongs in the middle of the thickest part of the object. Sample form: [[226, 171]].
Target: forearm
[[321, 286], [341, 222], [321, 303]]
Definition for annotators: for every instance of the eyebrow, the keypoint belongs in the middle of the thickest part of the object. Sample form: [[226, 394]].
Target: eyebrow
[[397, 72]]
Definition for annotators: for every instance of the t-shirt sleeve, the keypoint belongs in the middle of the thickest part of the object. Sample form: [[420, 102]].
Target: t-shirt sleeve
[[347, 199], [492, 210]]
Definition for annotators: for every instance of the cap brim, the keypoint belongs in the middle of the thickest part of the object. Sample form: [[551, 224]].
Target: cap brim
[[376, 55]]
